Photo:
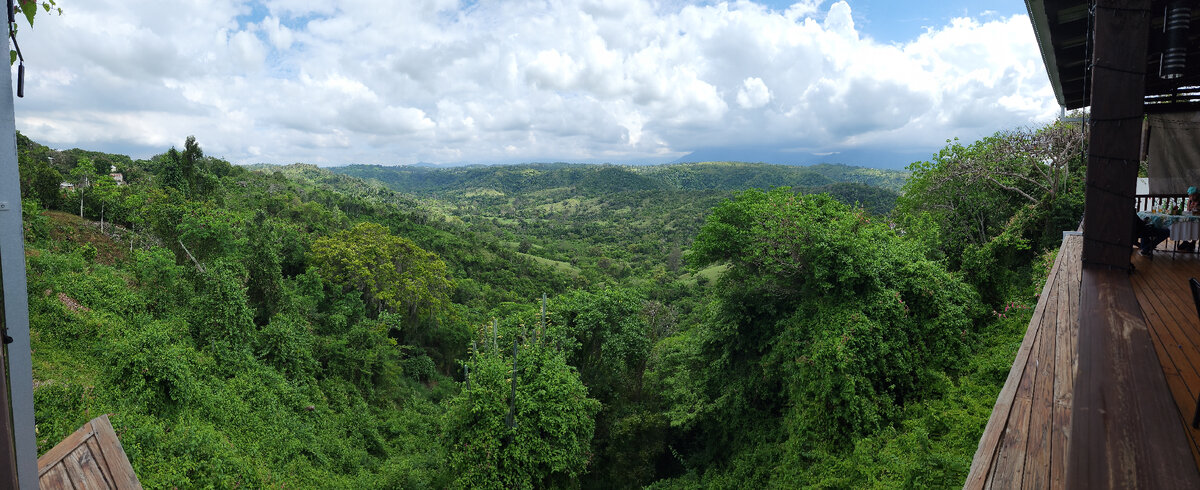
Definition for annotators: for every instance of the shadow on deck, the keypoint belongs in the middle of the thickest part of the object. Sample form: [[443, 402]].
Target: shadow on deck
[[1103, 388]]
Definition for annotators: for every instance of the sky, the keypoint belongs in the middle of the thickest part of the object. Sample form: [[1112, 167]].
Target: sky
[[867, 82]]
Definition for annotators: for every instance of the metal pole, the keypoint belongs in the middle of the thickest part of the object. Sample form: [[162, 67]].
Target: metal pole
[[16, 307]]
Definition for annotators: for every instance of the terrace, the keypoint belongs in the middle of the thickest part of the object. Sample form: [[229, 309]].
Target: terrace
[[1027, 440], [1105, 382]]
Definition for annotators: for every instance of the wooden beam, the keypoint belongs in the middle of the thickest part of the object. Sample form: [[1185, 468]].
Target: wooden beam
[[1125, 430], [1118, 84]]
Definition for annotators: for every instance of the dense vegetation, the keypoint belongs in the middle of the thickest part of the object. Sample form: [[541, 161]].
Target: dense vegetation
[[291, 326], [607, 221]]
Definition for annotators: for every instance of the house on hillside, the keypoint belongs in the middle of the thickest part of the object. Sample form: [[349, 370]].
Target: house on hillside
[[1104, 387], [117, 177]]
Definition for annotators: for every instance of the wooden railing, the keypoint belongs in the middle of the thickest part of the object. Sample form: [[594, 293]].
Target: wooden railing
[[1150, 202]]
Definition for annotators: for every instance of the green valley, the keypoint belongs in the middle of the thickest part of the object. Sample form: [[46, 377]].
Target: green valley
[[721, 324]]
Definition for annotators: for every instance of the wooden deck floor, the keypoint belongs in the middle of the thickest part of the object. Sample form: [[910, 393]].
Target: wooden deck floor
[[1027, 439], [1025, 442], [1161, 286]]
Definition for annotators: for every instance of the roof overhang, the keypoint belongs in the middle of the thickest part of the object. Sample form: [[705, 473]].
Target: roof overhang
[[1063, 29]]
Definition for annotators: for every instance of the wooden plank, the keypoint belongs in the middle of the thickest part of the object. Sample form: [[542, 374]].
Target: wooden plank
[[1159, 311], [1162, 289], [87, 475], [75, 473], [989, 443], [98, 455], [1036, 473], [119, 469], [1064, 373], [1059, 444], [1181, 396], [55, 478], [1010, 459], [60, 451], [1124, 431], [1172, 316]]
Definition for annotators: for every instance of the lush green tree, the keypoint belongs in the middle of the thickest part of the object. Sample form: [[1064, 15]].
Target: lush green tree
[[207, 233], [991, 206], [391, 272], [39, 180], [826, 323], [263, 262], [105, 194], [83, 175], [539, 439], [605, 337], [170, 170], [221, 319]]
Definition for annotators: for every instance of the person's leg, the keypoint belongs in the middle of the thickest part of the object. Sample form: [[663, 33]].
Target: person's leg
[[1157, 236]]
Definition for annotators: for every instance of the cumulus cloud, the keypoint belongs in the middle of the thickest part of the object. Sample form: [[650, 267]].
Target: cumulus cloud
[[753, 94], [376, 81]]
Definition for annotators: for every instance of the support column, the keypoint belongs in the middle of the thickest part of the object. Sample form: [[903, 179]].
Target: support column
[[15, 299], [1120, 37]]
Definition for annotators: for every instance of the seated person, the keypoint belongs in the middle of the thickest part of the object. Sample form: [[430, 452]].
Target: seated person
[[1148, 236], [1193, 202]]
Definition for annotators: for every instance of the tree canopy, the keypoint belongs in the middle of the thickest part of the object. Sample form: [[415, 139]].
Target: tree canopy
[[391, 272]]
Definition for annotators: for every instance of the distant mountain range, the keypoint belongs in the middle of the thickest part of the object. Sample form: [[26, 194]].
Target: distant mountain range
[[593, 178], [888, 158], [874, 158]]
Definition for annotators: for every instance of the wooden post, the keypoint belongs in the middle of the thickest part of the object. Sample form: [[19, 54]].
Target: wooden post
[[1121, 35]]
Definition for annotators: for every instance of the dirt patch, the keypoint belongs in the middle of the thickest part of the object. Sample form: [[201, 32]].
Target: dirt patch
[[70, 303]]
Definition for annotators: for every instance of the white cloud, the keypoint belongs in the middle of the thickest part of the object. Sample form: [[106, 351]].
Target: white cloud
[[376, 81], [280, 36], [753, 94]]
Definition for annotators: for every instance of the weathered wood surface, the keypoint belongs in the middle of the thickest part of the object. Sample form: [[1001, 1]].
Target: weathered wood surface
[[1125, 430], [1024, 443], [90, 458], [1162, 291]]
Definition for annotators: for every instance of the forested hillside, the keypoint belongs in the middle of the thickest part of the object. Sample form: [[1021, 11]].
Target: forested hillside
[[592, 179], [609, 222], [538, 326]]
